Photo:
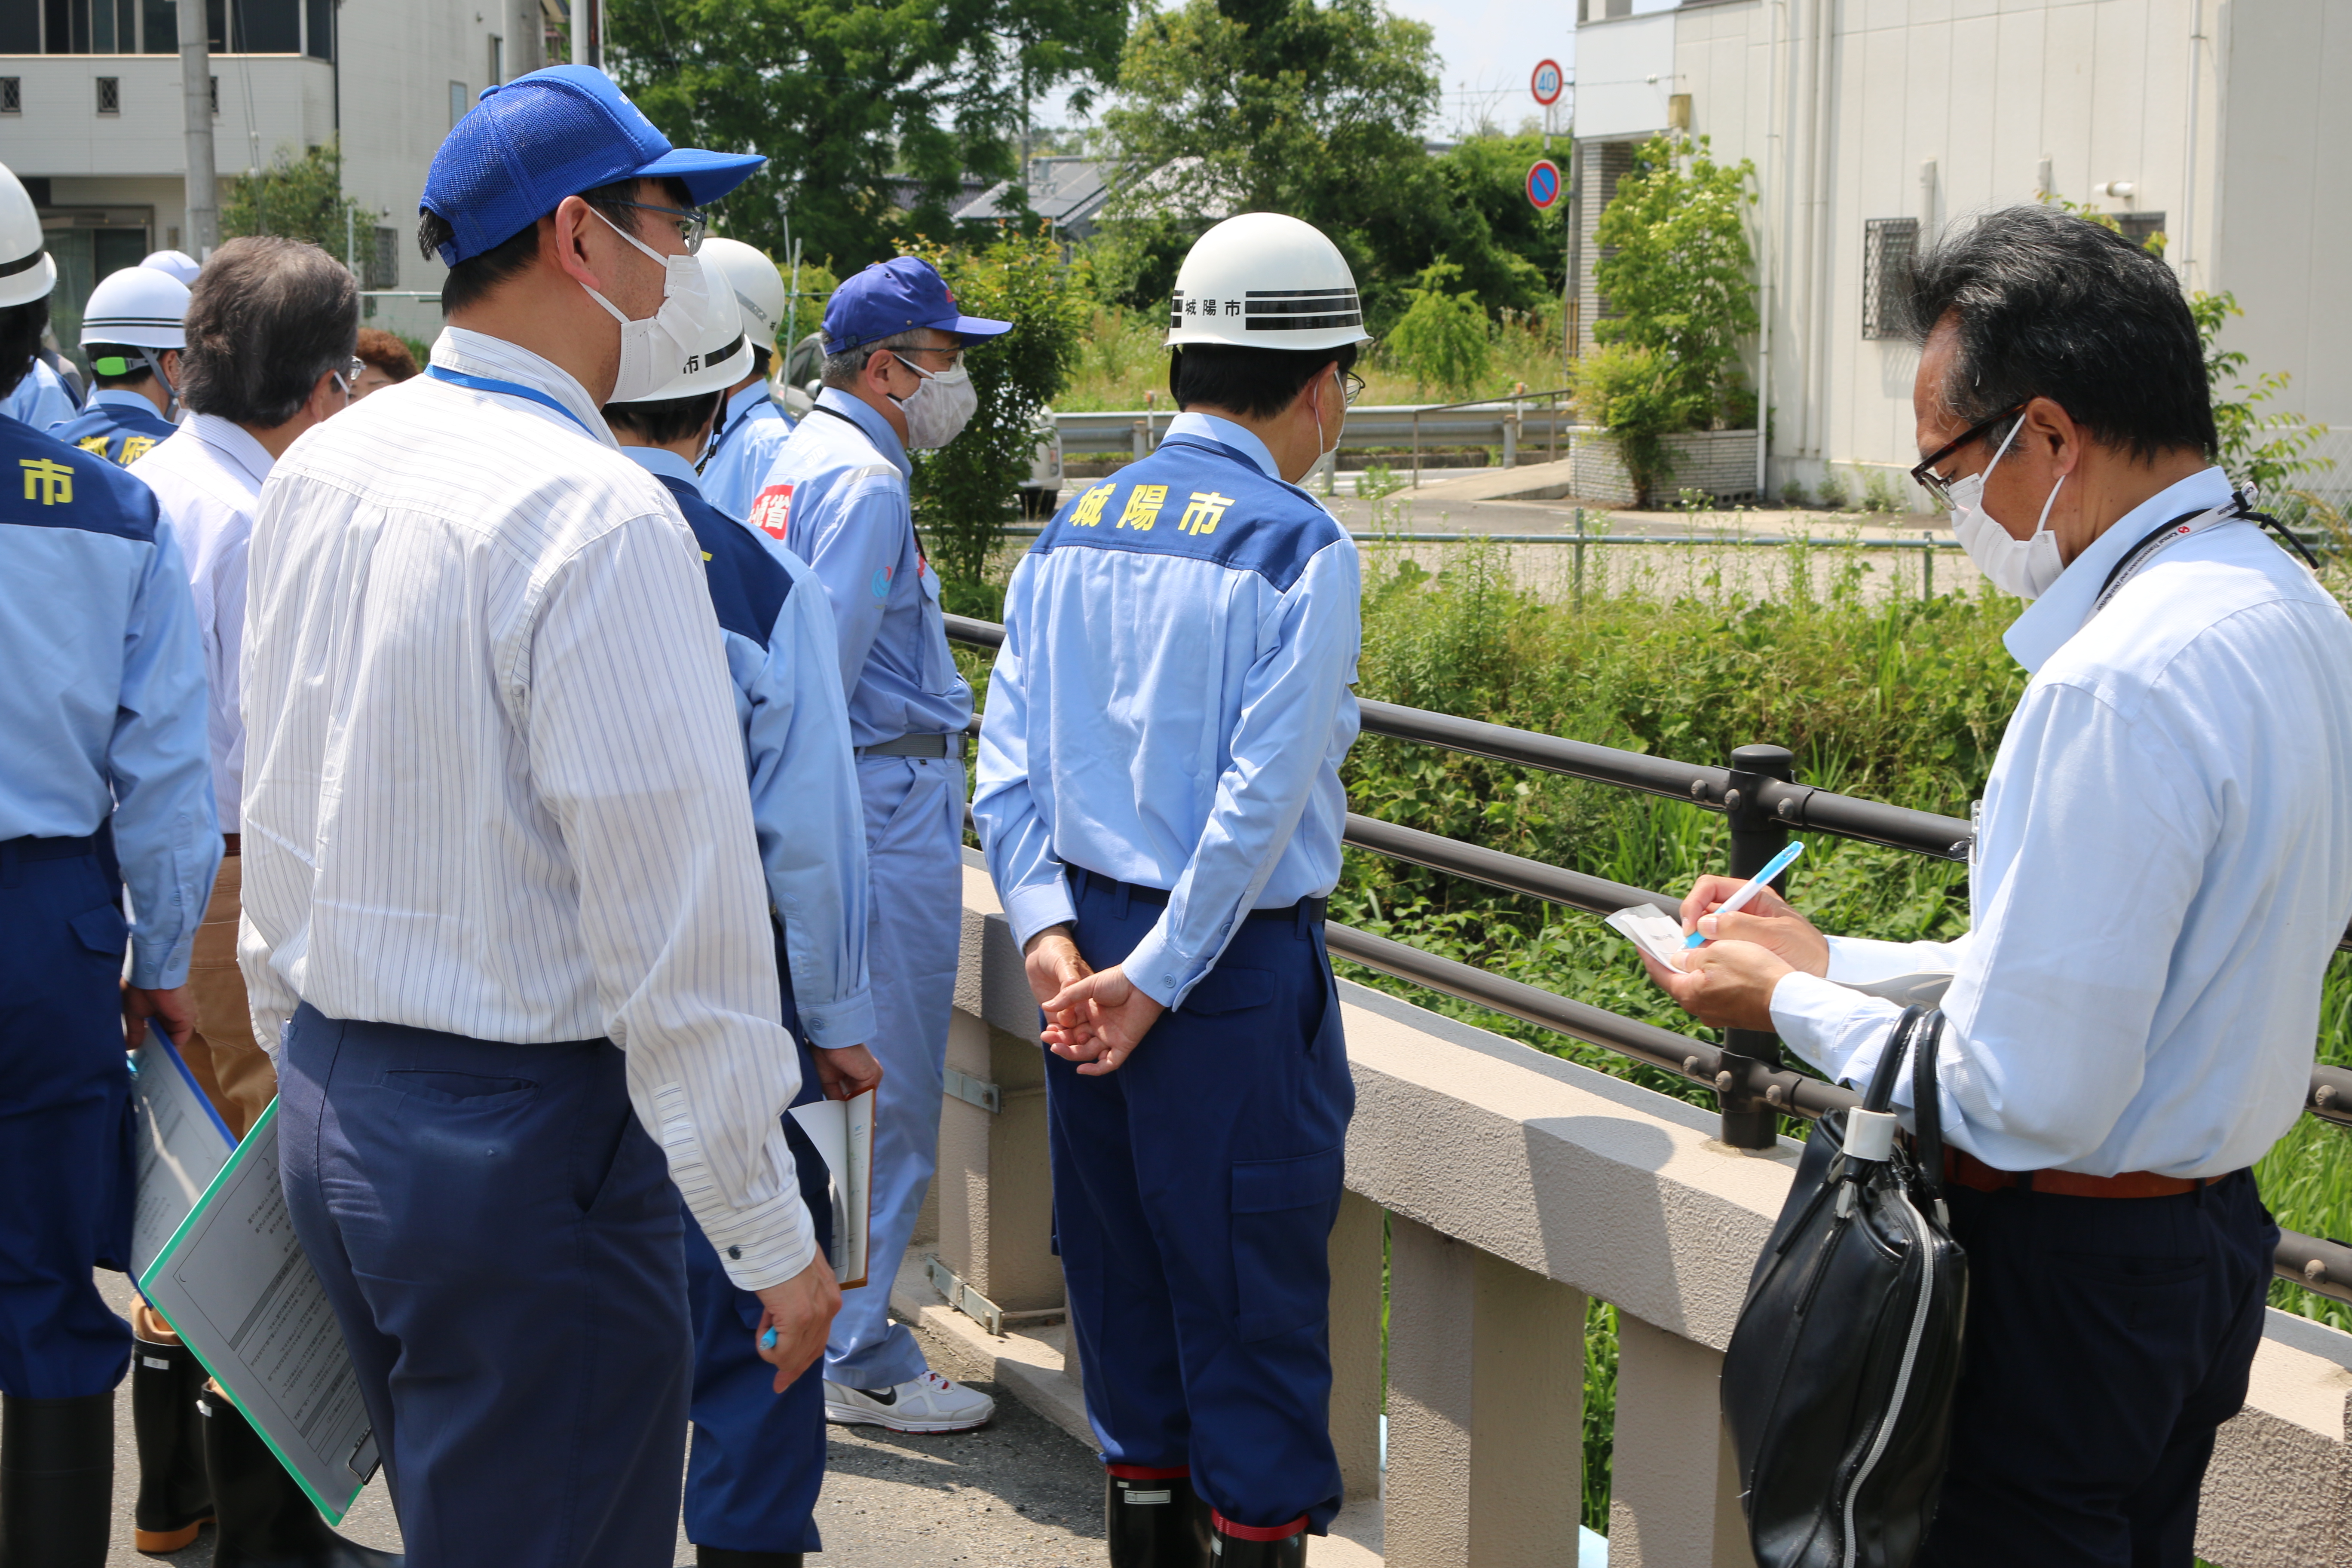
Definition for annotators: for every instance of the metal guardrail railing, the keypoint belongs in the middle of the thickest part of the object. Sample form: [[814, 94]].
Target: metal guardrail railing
[[1513, 423], [1752, 1086]]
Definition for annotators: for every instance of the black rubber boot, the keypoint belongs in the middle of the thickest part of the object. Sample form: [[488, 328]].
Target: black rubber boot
[[264, 1518], [175, 1498], [1232, 1552], [1155, 1522], [57, 1480], [722, 1557]]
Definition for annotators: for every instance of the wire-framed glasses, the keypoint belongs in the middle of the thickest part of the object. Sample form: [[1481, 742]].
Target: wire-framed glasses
[[692, 222]]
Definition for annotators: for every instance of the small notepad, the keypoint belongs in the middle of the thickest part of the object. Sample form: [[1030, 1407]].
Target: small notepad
[[1659, 935]]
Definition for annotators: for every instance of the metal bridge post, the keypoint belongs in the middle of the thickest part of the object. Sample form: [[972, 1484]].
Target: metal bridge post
[[1756, 837]]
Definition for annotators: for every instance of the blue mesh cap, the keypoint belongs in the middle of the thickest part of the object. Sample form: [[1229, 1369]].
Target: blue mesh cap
[[896, 296], [551, 134]]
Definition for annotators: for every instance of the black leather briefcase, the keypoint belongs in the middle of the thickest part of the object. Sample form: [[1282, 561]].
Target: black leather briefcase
[[1838, 1383]]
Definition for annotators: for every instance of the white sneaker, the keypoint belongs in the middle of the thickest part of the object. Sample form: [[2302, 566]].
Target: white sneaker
[[929, 1403]]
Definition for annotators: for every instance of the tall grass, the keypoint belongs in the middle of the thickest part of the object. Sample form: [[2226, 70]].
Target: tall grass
[[1121, 361]]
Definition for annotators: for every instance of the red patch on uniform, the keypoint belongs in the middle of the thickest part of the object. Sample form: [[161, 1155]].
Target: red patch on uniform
[[771, 512]]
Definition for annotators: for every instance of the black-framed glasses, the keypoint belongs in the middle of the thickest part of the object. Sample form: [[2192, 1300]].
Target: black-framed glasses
[[692, 222], [1352, 387], [1939, 488]]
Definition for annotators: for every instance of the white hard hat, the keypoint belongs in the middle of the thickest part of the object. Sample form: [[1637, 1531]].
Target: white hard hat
[[178, 263], [140, 306], [26, 271], [1263, 281], [727, 360], [759, 287]]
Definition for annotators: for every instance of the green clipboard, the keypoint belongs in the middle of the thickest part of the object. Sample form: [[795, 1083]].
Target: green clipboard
[[235, 1286]]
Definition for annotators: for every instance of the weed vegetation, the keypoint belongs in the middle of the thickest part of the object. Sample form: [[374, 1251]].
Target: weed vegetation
[[1121, 361]]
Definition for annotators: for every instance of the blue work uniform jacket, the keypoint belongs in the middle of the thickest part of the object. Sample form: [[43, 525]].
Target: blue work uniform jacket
[[103, 703], [752, 430], [41, 400], [837, 498], [120, 427], [1171, 703], [779, 636]]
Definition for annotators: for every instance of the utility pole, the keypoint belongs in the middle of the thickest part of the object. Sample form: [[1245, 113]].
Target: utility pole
[[196, 94]]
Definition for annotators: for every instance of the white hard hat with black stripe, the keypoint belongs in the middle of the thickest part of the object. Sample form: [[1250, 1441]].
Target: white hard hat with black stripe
[[758, 287], [26, 271], [1265, 280], [139, 307], [727, 358]]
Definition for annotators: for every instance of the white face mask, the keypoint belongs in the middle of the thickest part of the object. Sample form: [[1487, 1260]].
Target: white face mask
[[938, 409], [654, 351], [2025, 567]]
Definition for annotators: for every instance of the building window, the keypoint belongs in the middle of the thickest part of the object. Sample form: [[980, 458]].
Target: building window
[[497, 60], [380, 262], [109, 95], [319, 29], [1888, 244], [2138, 227], [12, 95], [457, 104]]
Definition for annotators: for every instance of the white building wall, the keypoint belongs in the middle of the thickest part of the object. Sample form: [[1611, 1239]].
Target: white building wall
[[1841, 102]]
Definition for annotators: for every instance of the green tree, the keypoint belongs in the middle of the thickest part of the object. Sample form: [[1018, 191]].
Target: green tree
[[1443, 338], [964, 491], [1676, 271], [298, 197], [846, 100], [1228, 106]]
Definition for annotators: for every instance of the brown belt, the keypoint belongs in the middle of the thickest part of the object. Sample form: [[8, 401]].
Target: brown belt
[[1970, 1172], [232, 843]]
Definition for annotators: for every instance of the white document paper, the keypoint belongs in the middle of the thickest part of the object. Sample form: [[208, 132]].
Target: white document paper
[[235, 1284], [843, 1131], [1654, 934], [182, 1143]]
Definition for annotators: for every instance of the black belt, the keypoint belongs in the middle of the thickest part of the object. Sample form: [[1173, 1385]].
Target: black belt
[[1081, 880], [916, 746], [57, 848]]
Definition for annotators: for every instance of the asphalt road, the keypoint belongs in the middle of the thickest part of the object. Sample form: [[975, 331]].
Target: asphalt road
[[1019, 1493]]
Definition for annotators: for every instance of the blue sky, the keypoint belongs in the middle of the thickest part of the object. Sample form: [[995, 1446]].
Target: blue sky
[[1489, 48]]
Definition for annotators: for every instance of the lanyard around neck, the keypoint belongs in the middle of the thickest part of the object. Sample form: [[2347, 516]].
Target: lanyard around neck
[[513, 389]]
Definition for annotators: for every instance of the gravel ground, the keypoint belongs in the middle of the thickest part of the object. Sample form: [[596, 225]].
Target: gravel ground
[[1019, 1493]]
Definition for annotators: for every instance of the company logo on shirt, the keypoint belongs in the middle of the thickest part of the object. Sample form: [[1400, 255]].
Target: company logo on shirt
[[772, 512], [882, 582]]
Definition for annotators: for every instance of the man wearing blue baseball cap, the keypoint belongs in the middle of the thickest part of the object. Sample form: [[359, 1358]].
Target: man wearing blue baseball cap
[[836, 497], [506, 930]]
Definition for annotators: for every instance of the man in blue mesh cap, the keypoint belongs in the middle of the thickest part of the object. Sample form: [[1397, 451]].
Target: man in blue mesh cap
[[506, 930], [836, 497]]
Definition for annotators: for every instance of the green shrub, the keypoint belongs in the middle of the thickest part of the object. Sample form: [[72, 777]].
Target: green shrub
[[1378, 480], [1879, 494], [1834, 491], [1792, 495], [1443, 338]]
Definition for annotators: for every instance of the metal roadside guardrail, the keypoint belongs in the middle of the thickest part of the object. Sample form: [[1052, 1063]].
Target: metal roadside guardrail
[[1754, 1085]]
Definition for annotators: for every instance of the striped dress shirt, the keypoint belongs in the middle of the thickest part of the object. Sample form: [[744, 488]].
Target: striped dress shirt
[[494, 785]]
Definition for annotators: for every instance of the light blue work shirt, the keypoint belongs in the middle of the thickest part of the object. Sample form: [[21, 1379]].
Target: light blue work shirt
[[779, 636], [752, 430], [1171, 703], [2162, 870], [103, 704], [41, 400], [837, 498]]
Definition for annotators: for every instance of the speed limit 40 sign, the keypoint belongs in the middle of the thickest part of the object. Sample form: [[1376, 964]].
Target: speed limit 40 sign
[[1547, 82]]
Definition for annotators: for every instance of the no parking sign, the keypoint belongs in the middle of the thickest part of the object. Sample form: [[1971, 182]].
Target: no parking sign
[[1543, 182]]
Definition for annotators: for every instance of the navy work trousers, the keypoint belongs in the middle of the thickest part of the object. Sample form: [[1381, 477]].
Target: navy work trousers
[[66, 1153], [501, 1244], [1194, 1191], [2107, 1339], [758, 1461]]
